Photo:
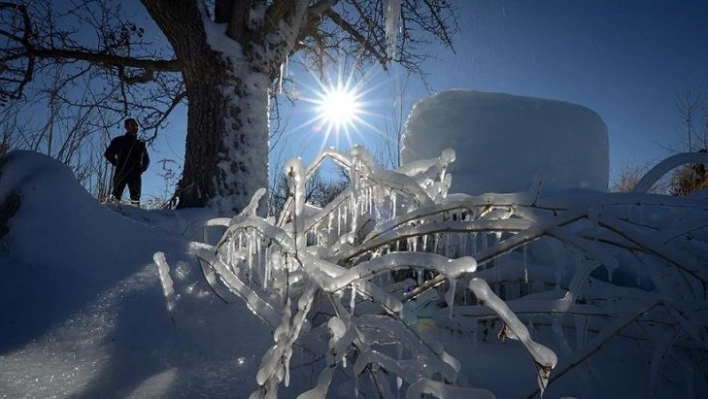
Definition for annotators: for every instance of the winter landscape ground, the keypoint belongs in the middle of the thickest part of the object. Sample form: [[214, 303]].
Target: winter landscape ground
[[613, 284], [526, 285]]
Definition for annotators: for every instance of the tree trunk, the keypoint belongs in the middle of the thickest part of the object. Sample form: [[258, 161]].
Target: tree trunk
[[226, 152]]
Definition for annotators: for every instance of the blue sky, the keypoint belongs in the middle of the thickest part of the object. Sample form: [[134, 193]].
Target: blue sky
[[626, 60]]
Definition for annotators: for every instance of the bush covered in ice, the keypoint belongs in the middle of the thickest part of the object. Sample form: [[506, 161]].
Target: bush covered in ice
[[345, 287]]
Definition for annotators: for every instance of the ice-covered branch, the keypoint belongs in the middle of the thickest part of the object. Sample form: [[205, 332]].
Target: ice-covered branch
[[392, 247], [544, 357]]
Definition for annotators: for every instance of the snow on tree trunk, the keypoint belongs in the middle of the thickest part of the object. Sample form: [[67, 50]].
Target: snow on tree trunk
[[226, 154]]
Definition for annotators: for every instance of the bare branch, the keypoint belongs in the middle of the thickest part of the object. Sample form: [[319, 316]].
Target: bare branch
[[106, 59], [358, 36]]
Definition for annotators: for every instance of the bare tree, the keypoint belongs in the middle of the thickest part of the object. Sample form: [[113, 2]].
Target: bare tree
[[220, 56], [693, 109], [318, 191], [48, 125]]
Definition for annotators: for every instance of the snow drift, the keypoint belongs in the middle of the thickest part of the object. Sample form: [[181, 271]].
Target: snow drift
[[504, 141], [82, 313]]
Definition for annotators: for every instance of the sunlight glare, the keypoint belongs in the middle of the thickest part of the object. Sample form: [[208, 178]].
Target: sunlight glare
[[338, 106], [340, 109]]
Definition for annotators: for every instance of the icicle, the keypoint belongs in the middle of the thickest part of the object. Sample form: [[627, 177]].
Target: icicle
[[267, 266], [355, 214], [259, 261], [280, 77], [393, 11], [450, 296], [249, 260], [394, 198], [352, 302], [526, 268], [229, 253]]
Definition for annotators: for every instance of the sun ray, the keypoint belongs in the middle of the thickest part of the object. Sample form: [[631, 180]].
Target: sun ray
[[345, 107]]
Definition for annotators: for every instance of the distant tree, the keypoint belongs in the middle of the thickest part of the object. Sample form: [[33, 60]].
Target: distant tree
[[221, 57], [50, 126], [693, 108], [318, 192]]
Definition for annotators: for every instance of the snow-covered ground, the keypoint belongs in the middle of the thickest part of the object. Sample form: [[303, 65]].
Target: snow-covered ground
[[84, 315]]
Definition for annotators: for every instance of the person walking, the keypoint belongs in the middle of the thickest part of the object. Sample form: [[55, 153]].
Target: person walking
[[130, 159]]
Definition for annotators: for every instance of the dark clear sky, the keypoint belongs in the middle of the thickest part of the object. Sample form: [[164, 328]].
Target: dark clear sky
[[627, 60]]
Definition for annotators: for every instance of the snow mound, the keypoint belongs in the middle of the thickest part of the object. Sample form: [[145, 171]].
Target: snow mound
[[504, 141], [82, 300]]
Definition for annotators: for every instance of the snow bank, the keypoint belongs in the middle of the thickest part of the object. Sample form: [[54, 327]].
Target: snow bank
[[502, 141], [82, 313]]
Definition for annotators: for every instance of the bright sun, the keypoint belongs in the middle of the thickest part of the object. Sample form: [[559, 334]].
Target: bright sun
[[339, 110], [338, 107]]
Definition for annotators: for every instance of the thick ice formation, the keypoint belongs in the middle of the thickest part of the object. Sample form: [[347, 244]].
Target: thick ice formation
[[503, 141]]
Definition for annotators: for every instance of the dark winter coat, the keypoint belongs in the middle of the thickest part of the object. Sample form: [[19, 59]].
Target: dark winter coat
[[128, 155]]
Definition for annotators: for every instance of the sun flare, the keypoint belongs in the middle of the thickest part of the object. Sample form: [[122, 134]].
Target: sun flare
[[340, 110], [338, 107]]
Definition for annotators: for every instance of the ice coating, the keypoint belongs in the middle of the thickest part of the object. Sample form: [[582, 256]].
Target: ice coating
[[167, 285], [543, 356]]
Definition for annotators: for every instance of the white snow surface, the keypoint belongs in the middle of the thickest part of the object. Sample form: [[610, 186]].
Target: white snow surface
[[85, 297], [503, 142], [82, 310]]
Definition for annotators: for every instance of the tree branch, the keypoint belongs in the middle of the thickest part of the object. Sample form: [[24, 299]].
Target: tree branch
[[173, 65], [337, 19]]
